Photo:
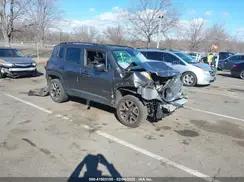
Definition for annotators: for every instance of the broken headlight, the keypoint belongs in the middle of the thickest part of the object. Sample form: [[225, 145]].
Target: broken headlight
[[147, 75]]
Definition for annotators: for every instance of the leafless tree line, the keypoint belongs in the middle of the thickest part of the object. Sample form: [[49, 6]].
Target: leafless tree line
[[32, 17], [148, 20]]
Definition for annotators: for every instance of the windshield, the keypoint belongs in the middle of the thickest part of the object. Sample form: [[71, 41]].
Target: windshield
[[10, 53], [126, 57], [185, 57]]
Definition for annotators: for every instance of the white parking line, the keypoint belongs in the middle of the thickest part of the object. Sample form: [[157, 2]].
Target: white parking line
[[215, 114], [219, 94], [28, 103], [127, 144]]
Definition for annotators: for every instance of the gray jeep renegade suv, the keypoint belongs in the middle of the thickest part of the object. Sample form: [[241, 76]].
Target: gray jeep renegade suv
[[117, 76]]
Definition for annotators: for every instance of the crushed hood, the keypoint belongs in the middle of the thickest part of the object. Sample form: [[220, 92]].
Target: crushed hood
[[17, 60], [159, 68]]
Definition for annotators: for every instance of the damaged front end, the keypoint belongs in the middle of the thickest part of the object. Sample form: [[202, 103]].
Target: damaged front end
[[160, 90]]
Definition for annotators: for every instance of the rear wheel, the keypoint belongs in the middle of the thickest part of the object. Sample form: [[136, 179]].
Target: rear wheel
[[242, 75], [57, 92], [189, 79], [131, 111]]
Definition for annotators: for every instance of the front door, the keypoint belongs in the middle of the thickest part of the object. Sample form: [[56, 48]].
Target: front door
[[95, 84]]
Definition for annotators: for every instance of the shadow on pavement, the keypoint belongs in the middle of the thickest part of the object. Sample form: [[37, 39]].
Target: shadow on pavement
[[225, 75], [91, 162]]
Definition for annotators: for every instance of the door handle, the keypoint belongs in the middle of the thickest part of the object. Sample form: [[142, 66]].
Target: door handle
[[85, 74]]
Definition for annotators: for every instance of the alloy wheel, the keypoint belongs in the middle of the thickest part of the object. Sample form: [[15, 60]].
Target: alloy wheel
[[188, 79], [129, 111], [242, 75], [55, 90]]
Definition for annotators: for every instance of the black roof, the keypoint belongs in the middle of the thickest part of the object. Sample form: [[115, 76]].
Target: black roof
[[113, 46], [157, 50], [7, 48]]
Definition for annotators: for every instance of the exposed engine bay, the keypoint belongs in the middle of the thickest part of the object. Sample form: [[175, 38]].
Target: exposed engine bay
[[161, 92]]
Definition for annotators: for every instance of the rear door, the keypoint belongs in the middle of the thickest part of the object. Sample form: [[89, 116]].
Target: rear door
[[72, 67]]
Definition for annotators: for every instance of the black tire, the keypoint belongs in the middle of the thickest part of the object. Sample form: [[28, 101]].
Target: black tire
[[1, 74], [189, 79], [56, 91], [34, 74], [242, 74], [131, 111]]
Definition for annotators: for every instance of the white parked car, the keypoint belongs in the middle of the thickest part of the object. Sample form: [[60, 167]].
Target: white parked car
[[193, 72]]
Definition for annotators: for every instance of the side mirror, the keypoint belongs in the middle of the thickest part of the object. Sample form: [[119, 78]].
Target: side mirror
[[100, 67]]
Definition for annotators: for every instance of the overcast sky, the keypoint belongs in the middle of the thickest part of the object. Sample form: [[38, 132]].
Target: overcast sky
[[108, 12]]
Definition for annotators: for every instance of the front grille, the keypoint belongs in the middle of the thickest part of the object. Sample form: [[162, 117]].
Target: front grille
[[25, 65]]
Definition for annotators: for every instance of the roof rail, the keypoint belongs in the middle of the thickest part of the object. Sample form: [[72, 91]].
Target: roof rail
[[97, 44]]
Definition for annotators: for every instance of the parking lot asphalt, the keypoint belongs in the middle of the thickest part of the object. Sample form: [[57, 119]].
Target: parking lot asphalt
[[40, 138]]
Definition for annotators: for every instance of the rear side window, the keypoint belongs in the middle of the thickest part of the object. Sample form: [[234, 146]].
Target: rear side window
[[154, 56], [73, 55]]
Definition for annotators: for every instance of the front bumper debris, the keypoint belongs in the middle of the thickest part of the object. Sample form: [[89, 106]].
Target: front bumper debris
[[171, 107], [15, 71]]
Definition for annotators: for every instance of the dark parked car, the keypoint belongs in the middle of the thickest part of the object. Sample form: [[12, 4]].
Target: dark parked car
[[225, 55], [238, 70], [228, 63], [13, 63], [117, 76]]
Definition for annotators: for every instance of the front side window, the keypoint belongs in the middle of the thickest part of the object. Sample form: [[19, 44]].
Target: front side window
[[126, 57], [73, 55], [10, 53], [234, 58], [94, 57], [185, 57], [171, 58]]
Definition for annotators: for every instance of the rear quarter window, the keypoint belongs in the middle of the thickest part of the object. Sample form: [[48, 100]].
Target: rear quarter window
[[55, 52]]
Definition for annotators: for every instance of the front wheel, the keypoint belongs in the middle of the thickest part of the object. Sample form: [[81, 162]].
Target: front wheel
[[131, 111], [189, 79], [2, 75], [242, 75], [57, 92]]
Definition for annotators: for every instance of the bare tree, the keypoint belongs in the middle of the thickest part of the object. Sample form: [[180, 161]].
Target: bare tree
[[42, 14], [115, 35], [10, 12], [85, 33], [145, 19], [215, 35], [194, 34]]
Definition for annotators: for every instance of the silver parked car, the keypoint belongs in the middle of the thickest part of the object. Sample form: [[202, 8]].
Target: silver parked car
[[193, 72], [14, 64]]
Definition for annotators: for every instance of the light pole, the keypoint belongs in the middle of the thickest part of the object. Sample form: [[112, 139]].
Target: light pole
[[159, 29]]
